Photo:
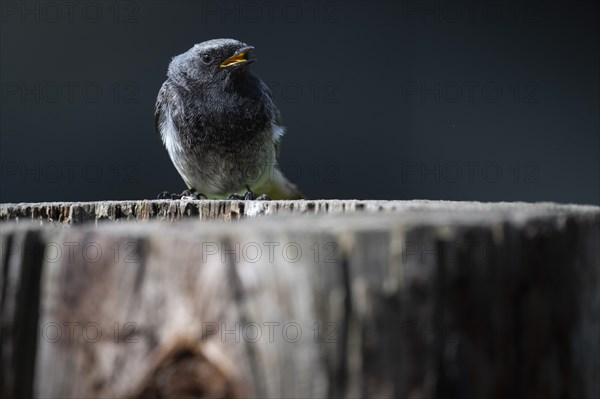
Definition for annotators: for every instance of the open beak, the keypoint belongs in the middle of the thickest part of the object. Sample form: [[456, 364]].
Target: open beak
[[239, 58]]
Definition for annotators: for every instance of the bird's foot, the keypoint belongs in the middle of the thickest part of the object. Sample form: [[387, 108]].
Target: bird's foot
[[185, 195], [249, 196]]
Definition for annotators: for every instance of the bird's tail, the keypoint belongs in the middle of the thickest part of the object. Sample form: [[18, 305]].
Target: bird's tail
[[278, 187]]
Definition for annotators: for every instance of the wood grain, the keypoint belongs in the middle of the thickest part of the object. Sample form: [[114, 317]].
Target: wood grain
[[411, 300]]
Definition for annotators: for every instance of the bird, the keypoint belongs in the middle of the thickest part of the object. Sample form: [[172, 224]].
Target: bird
[[220, 126]]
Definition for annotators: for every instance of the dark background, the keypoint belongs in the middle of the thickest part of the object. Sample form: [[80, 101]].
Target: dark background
[[490, 101]]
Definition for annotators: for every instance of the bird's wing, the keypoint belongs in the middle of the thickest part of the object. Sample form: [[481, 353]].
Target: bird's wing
[[278, 186], [278, 128], [160, 107]]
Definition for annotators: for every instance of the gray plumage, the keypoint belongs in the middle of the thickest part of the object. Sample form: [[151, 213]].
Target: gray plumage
[[219, 124]]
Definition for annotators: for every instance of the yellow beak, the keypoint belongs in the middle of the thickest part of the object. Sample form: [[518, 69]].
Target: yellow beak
[[240, 57]]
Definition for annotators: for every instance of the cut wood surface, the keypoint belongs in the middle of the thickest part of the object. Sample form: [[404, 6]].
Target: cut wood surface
[[83, 212], [406, 299]]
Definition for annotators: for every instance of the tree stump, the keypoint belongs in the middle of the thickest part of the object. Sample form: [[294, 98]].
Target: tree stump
[[408, 299]]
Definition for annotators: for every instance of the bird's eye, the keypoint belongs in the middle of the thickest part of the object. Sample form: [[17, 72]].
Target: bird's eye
[[207, 58]]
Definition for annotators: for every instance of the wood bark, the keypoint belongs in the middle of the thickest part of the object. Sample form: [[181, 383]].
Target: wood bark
[[412, 299]]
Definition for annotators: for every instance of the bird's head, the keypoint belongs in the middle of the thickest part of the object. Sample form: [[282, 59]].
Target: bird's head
[[211, 61]]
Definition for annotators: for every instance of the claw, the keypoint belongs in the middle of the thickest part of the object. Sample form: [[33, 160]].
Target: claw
[[185, 195], [249, 196], [164, 195]]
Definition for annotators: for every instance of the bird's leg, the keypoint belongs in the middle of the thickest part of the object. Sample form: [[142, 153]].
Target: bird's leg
[[249, 196], [236, 197], [192, 195]]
